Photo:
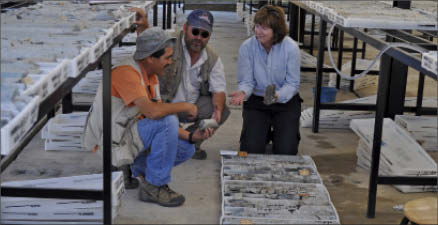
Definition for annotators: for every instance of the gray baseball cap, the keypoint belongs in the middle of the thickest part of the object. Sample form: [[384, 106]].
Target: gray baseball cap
[[150, 41]]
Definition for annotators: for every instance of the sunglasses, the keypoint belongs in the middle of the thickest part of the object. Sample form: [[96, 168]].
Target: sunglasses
[[196, 32], [272, 11]]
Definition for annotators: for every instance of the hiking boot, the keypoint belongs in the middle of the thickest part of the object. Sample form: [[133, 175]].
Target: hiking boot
[[128, 180], [162, 195], [199, 154]]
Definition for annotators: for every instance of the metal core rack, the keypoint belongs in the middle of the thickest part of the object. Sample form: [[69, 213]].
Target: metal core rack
[[391, 90], [63, 93]]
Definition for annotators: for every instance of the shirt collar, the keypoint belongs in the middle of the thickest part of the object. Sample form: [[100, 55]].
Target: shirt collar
[[262, 49]]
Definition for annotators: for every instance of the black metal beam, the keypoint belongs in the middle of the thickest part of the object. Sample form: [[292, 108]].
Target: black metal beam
[[243, 9], [397, 88], [155, 15], [82, 108], [319, 72], [67, 103], [163, 3], [340, 54], [382, 98], [302, 25], [407, 180], [421, 110], [408, 37], [107, 140], [404, 57], [353, 63], [420, 91], [169, 15], [364, 45], [293, 22], [312, 34], [348, 106], [174, 11], [51, 193], [404, 4]]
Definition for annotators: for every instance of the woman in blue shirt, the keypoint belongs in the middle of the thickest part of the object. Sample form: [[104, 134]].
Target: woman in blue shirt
[[269, 57]]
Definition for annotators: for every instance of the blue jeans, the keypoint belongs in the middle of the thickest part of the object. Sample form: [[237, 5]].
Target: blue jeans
[[167, 150]]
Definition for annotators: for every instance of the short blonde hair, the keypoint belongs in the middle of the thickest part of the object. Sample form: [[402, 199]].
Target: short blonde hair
[[272, 16]]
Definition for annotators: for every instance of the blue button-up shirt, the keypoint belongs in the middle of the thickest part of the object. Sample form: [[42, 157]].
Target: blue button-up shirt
[[256, 69]]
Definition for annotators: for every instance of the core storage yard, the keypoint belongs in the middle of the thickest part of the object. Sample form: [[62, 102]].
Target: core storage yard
[[337, 180]]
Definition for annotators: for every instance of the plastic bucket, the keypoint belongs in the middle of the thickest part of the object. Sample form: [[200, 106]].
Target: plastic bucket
[[328, 94]]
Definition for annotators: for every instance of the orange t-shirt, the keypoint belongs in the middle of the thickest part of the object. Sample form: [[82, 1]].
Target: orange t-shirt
[[126, 84]]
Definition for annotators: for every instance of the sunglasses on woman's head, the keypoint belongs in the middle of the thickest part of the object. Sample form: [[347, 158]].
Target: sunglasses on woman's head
[[273, 11], [196, 32]]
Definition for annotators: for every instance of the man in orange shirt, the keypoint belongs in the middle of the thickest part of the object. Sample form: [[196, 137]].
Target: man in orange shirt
[[145, 131]]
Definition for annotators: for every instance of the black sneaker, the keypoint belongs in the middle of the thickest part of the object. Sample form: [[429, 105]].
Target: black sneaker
[[199, 154], [161, 195], [128, 180]]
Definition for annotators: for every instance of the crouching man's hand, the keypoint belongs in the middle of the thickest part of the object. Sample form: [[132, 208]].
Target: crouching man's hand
[[199, 135]]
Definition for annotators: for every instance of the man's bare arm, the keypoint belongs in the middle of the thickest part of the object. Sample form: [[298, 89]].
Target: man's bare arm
[[218, 104], [157, 110]]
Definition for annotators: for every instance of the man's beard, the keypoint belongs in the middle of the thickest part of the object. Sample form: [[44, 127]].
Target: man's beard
[[195, 45]]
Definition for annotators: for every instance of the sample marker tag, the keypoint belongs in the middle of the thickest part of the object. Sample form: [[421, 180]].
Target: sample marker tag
[[245, 221], [242, 154]]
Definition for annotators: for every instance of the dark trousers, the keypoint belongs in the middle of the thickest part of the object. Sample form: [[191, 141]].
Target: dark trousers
[[277, 122]]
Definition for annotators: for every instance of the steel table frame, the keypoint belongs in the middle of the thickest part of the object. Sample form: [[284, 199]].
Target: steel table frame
[[390, 99], [46, 108]]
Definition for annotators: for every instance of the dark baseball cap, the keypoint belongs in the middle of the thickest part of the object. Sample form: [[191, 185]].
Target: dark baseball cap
[[201, 19], [150, 41]]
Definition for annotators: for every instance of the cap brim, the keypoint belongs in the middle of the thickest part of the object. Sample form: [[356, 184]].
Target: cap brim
[[201, 26], [139, 55]]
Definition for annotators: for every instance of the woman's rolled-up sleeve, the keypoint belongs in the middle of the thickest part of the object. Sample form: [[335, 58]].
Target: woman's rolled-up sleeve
[[292, 80], [245, 70]]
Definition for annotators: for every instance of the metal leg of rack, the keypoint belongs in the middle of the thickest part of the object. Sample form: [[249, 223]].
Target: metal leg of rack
[[293, 22], [288, 10], [364, 46], [340, 54], [302, 25], [67, 103], [319, 73], [155, 15], [397, 88], [402, 4], [106, 97], [169, 15], [420, 92], [312, 34], [353, 63], [174, 11], [335, 38], [382, 97], [244, 9], [163, 3], [390, 101]]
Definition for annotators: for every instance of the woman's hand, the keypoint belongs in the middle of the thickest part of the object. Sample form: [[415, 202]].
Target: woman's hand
[[140, 19], [237, 97]]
